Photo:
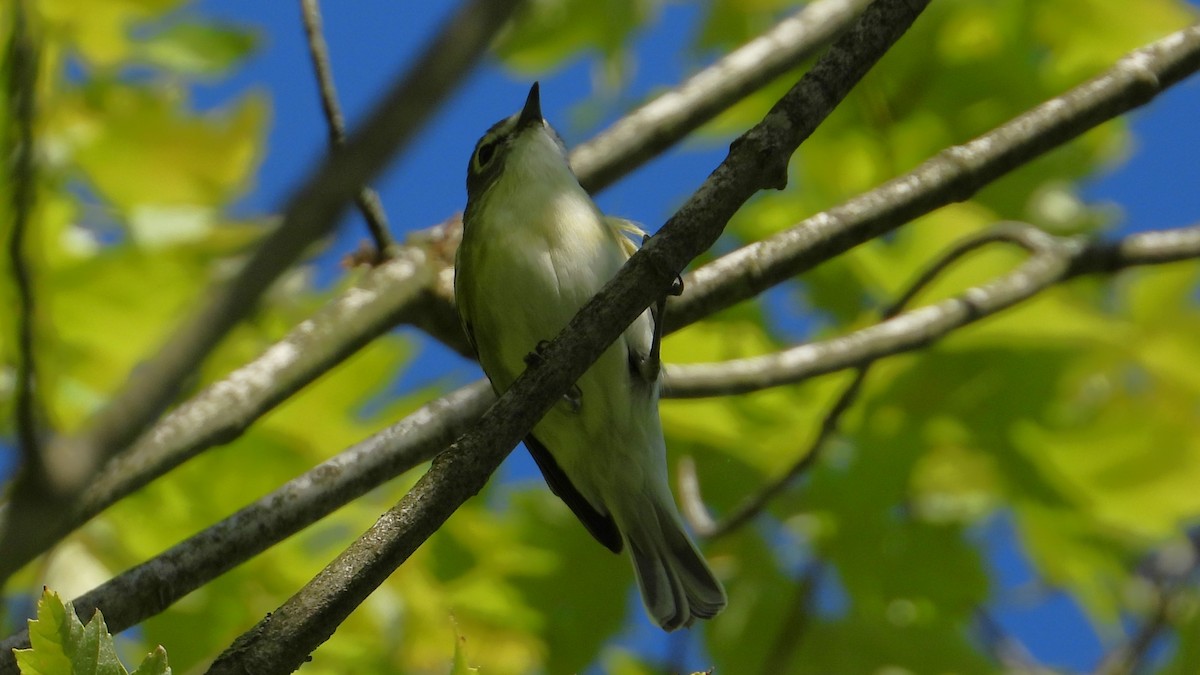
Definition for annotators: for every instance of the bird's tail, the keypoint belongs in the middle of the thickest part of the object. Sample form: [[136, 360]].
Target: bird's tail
[[677, 585]]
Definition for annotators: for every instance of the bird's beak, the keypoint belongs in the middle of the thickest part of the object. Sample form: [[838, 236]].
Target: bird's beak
[[531, 114]]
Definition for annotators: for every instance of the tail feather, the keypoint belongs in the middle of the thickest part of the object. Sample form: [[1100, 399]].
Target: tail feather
[[676, 583]]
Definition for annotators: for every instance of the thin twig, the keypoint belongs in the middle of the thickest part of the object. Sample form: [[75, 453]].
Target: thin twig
[[1023, 235], [367, 199], [913, 330], [145, 590], [757, 160], [312, 212], [22, 90]]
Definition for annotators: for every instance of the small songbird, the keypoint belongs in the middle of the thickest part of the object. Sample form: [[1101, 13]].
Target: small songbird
[[535, 248]]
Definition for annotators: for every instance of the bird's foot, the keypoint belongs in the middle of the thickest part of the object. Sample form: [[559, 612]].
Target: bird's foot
[[574, 397]]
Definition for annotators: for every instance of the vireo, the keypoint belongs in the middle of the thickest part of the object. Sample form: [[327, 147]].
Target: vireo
[[535, 248]]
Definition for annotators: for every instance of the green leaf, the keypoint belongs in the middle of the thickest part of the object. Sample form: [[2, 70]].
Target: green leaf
[[60, 644], [197, 48], [49, 635]]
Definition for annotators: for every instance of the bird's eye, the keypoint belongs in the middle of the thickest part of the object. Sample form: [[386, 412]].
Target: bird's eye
[[486, 151]]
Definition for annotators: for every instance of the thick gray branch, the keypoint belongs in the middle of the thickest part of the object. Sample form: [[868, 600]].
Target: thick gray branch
[[284, 639]]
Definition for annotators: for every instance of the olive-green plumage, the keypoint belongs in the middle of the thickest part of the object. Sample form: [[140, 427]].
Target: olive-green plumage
[[535, 248]]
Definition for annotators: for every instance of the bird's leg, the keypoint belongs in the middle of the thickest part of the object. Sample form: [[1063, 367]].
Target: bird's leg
[[650, 366], [574, 397]]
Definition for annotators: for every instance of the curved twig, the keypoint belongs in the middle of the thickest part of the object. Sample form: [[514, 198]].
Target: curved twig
[[788, 366], [367, 199]]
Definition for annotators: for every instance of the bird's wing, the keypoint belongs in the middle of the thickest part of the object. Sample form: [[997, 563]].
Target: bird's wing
[[600, 525]]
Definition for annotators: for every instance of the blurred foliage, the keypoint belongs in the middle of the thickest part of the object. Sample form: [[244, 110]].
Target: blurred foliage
[[1072, 417]]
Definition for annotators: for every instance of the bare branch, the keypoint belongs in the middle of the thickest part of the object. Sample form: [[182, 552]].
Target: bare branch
[[953, 175], [22, 90], [367, 199], [665, 120], [222, 411], [921, 327], [312, 212], [758, 159], [154, 585], [788, 366]]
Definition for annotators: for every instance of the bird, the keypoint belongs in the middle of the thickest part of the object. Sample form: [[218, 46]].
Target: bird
[[535, 248]]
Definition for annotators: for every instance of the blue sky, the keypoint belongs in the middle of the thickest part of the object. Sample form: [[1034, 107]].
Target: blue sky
[[375, 40]]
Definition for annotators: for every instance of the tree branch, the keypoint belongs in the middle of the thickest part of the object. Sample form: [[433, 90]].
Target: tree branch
[[891, 335], [667, 119], [22, 90], [367, 199], [225, 409], [758, 159], [154, 585], [311, 212], [1054, 261], [955, 174]]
